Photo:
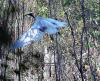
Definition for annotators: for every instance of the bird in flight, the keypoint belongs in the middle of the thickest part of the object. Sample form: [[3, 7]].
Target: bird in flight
[[40, 27]]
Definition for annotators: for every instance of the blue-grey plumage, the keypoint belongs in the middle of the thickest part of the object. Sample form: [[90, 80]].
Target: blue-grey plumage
[[19, 44], [58, 24], [27, 38], [44, 25], [40, 27]]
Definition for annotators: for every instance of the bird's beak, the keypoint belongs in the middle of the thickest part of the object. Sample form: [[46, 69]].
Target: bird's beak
[[30, 14]]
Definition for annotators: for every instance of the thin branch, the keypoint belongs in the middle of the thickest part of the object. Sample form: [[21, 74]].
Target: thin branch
[[73, 36]]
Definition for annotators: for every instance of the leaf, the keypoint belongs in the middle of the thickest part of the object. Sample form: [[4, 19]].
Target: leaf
[[89, 45]]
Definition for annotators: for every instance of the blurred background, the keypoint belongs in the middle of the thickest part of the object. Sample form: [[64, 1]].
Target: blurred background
[[72, 55]]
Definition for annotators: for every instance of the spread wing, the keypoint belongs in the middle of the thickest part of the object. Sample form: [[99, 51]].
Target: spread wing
[[45, 26], [48, 25], [57, 23], [27, 38]]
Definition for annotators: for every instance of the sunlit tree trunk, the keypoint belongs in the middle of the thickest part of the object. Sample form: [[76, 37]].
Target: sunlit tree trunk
[[47, 58]]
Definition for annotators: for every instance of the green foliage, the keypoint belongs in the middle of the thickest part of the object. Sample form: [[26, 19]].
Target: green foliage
[[94, 8], [67, 2], [95, 33], [89, 45], [43, 11]]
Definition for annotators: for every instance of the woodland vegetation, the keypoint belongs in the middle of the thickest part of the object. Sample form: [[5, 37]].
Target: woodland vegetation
[[71, 55]]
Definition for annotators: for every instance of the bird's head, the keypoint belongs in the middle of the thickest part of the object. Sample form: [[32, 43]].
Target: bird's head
[[30, 14]]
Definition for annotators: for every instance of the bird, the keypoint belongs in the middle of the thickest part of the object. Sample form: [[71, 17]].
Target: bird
[[39, 28]]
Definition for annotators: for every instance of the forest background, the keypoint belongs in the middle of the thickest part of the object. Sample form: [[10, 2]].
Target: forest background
[[73, 55]]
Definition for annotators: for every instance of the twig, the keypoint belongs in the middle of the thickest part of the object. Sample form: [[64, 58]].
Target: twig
[[73, 36]]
